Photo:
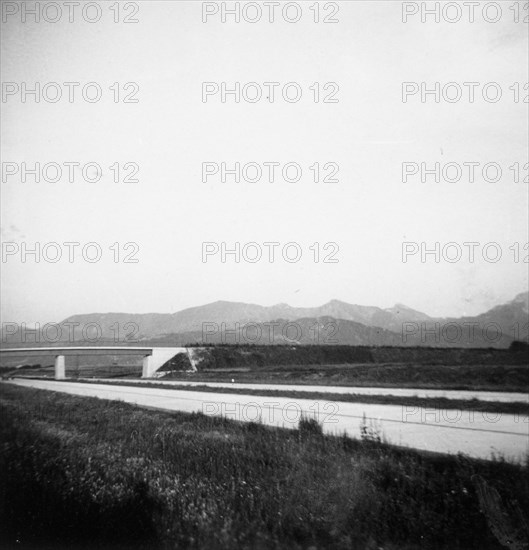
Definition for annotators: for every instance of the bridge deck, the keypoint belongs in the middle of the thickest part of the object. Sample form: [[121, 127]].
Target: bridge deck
[[84, 350]]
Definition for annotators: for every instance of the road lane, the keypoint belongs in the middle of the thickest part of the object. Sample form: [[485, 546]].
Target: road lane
[[502, 397], [477, 434]]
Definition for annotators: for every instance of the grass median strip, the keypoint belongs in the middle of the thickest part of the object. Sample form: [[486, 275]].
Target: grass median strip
[[508, 378], [437, 403]]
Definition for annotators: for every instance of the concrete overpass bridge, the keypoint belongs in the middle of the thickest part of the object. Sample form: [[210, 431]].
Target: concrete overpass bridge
[[153, 358]]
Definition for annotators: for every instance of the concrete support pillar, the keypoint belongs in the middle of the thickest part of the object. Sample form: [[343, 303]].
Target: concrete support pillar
[[147, 366], [60, 369]]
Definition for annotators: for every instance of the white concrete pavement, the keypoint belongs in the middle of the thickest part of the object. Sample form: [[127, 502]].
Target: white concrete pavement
[[502, 397]]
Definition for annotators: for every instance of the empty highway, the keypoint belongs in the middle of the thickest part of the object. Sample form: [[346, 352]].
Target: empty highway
[[477, 434]]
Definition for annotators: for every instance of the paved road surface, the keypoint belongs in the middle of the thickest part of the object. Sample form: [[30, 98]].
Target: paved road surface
[[504, 397], [474, 433]]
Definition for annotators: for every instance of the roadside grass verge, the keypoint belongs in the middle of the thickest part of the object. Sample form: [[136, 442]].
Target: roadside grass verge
[[510, 378], [80, 472], [427, 403]]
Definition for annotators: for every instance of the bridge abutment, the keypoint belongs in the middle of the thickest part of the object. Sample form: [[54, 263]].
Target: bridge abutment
[[159, 357]]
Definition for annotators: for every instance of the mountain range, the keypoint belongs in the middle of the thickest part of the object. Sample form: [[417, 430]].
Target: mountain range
[[334, 322]]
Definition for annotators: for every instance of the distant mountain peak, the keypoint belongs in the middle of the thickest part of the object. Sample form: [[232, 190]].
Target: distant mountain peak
[[401, 306]]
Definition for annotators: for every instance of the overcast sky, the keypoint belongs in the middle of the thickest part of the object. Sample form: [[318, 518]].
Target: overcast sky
[[170, 132]]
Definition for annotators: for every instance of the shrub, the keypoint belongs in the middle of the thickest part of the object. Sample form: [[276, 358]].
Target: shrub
[[309, 427]]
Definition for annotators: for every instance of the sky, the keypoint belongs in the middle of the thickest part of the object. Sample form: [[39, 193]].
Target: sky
[[171, 131]]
